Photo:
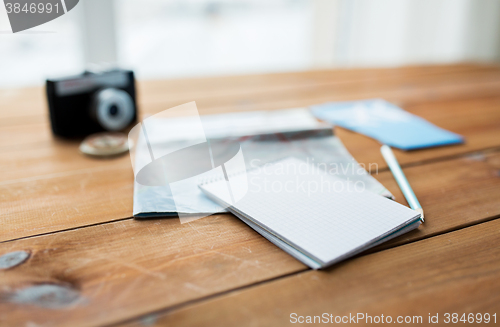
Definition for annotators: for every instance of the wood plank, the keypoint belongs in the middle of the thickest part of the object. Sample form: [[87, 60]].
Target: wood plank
[[449, 191], [53, 158], [19, 143], [477, 120], [481, 127], [277, 91], [28, 103], [451, 273], [278, 81], [131, 267], [268, 94], [53, 202], [80, 190], [69, 199], [31, 164], [124, 269]]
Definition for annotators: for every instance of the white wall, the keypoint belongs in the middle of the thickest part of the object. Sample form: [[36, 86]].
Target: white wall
[[182, 38], [402, 32]]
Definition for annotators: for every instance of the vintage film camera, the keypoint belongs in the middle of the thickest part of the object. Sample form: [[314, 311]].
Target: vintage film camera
[[92, 102]]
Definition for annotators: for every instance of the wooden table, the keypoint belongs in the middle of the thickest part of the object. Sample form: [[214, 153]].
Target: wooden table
[[90, 263]]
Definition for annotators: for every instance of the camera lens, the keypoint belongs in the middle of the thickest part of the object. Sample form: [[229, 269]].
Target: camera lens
[[113, 109]]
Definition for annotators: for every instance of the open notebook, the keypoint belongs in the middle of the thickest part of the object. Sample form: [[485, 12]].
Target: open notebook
[[314, 216]]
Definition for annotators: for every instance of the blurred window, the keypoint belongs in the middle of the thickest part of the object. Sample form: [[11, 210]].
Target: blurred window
[[51, 49], [183, 38], [175, 38]]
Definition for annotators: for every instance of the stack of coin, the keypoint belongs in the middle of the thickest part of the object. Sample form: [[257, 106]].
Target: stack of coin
[[104, 144]]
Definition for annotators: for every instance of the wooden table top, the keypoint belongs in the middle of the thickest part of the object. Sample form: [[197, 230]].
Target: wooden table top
[[90, 263]]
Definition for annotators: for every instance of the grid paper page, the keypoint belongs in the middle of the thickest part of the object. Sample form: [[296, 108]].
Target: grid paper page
[[325, 217]]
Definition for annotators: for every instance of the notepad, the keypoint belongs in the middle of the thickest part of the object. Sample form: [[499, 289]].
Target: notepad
[[310, 214], [264, 136]]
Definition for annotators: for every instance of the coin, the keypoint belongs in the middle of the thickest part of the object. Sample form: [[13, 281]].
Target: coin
[[104, 144]]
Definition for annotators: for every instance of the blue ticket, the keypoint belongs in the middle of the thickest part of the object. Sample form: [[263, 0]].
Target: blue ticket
[[386, 123]]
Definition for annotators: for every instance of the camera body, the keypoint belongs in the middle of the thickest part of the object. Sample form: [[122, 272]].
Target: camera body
[[92, 102]]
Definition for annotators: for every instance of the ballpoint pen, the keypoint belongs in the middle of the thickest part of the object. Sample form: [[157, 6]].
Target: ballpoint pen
[[400, 177]]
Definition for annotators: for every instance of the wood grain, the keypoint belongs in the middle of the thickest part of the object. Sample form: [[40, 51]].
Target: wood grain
[[101, 271], [21, 143], [451, 273], [31, 172], [60, 201], [477, 120], [30, 104], [275, 92], [128, 268], [450, 191]]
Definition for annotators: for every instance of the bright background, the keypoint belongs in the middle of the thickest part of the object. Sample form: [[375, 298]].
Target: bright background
[[186, 38]]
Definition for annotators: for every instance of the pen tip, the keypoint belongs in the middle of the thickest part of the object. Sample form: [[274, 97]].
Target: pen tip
[[421, 212]]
